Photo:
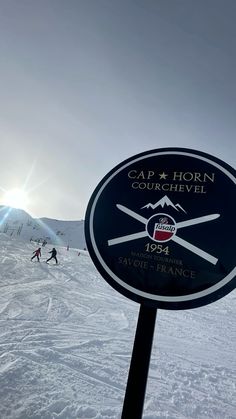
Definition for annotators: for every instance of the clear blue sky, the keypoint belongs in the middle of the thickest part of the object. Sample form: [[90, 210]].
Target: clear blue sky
[[86, 84]]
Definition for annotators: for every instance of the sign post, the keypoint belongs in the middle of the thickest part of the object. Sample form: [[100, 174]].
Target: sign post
[[138, 372], [160, 228]]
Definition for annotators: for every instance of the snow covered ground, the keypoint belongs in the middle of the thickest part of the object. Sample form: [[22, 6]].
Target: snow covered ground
[[66, 339]]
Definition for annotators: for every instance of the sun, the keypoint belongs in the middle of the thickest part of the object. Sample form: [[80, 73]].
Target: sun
[[16, 198]]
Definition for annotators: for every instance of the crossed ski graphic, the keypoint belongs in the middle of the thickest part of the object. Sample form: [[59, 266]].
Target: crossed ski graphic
[[175, 238]]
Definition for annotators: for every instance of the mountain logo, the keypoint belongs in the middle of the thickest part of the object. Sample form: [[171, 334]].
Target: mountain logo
[[165, 201]]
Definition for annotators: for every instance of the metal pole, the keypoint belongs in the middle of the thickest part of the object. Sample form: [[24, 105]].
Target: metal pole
[[138, 372]]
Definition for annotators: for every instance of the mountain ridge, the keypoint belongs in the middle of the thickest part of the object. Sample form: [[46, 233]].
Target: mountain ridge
[[17, 223]]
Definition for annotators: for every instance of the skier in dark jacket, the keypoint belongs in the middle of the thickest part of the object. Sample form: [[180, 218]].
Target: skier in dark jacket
[[37, 253], [54, 255]]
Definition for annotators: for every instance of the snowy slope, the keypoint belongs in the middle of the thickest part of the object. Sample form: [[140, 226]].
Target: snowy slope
[[16, 223], [66, 339]]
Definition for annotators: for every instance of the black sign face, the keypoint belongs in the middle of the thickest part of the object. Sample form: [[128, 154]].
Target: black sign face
[[160, 228]]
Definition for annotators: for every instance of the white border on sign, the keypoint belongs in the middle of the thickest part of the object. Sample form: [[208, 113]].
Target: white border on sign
[[136, 291]]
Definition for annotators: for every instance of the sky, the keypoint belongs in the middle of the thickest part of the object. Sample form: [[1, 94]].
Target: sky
[[86, 84]]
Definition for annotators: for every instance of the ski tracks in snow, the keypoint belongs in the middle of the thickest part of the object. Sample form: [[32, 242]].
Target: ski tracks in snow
[[66, 339]]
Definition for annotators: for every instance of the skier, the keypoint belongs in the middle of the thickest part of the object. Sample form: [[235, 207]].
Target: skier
[[37, 253], [54, 255]]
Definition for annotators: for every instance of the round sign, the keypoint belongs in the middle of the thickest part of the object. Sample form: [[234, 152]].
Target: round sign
[[160, 228]]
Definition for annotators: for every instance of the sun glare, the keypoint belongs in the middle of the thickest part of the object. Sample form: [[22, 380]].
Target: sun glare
[[16, 198]]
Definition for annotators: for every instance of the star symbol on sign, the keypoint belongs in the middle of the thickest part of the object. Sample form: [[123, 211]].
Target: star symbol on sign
[[163, 175]]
